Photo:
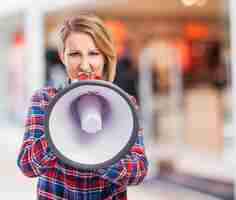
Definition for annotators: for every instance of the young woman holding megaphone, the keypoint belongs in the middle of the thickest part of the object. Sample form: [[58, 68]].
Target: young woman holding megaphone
[[86, 49]]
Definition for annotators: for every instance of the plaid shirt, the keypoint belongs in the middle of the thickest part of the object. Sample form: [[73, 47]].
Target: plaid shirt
[[57, 180]]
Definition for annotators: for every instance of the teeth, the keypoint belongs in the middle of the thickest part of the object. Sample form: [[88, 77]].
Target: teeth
[[86, 76], [85, 73]]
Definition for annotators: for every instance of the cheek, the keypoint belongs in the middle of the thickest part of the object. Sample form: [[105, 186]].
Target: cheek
[[71, 70], [97, 63], [71, 64]]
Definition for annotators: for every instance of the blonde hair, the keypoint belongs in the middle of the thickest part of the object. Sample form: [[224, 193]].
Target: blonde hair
[[93, 26]]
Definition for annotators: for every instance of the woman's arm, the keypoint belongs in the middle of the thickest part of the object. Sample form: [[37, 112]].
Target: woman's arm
[[132, 169], [35, 156]]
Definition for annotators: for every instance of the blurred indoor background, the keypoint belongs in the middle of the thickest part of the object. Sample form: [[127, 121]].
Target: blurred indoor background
[[173, 55]]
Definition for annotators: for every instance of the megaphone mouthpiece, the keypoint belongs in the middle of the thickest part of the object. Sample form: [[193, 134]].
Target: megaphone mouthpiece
[[89, 108]]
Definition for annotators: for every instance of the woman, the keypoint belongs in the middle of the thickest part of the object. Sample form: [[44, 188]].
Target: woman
[[87, 51]]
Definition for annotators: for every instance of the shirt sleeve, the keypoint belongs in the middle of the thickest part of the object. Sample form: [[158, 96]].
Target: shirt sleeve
[[132, 169], [35, 156]]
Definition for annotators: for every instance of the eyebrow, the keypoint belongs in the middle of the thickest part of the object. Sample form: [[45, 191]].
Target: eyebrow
[[79, 50]]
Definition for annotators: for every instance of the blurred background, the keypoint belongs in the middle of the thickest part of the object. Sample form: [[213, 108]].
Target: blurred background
[[174, 56]]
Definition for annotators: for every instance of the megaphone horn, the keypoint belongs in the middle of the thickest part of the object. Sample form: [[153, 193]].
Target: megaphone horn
[[91, 124]]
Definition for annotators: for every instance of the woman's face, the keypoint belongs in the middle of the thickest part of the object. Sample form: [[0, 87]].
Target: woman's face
[[83, 60]]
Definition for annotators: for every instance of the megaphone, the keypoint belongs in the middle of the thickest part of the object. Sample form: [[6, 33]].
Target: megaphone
[[91, 124]]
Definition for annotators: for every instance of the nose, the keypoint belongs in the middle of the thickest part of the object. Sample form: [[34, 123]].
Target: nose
[[85, 66]]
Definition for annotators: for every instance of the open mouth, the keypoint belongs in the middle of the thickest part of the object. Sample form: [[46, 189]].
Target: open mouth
[[88, 76]]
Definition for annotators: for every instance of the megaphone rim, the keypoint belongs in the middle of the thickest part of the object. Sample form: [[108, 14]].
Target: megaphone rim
[[106, 163]]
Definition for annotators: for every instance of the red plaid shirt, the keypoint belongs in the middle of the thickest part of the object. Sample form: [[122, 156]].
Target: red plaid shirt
[[58, 181]]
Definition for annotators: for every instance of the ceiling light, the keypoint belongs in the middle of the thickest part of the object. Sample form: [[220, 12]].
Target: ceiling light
[[194, 2], [201, 3]]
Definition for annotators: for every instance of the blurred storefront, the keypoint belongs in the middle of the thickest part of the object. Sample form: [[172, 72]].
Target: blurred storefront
[[13, 71], [189, 104], [175, 59]]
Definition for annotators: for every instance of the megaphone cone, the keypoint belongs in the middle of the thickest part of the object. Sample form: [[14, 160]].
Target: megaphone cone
[[91, 124]]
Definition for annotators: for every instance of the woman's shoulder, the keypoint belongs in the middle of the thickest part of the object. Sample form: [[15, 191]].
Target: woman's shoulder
[[44, 93]]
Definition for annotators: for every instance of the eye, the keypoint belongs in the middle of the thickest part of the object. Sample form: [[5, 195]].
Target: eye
[[94, 53], [73, 54]]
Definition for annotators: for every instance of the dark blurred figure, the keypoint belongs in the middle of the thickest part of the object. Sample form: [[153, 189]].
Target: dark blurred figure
[[55, 70], [127, 74], [218, 70]]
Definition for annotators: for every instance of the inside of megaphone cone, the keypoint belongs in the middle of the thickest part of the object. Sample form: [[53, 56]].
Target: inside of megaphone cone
[[90, 112]]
